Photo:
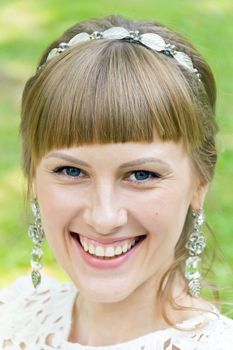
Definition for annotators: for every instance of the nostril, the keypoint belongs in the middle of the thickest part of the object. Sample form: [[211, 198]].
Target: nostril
[[105, 218]]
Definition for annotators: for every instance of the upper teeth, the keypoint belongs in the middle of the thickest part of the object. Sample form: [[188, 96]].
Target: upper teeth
[[108, 251]]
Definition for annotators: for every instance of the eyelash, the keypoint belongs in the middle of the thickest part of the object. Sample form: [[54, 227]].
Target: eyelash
[[61, 171], [151, 175]]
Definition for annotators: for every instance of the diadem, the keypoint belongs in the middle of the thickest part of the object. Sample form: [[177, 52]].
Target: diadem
[[150, 40]]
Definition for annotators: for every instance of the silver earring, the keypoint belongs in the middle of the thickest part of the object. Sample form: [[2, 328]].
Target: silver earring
[[36, 233], [195, 246]]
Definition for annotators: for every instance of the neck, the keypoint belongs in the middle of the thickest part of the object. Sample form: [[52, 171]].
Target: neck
[[97, 324]]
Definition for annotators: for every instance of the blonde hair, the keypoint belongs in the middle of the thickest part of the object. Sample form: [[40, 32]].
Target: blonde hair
[[109, 91]]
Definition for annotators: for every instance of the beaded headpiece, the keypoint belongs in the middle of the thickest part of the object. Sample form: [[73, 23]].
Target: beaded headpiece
[[150, 40]]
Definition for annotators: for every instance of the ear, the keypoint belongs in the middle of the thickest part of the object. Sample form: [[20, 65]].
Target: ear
[[199, 195]]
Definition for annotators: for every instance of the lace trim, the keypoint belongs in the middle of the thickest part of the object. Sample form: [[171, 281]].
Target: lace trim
[[24, 311], [41, 320]]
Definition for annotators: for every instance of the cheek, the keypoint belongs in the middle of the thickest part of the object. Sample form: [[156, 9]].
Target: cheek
[[163, 213], [56, 213], [56, 207]]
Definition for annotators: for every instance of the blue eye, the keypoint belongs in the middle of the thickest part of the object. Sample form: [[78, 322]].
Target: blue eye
[[69, 171], [142, 175]]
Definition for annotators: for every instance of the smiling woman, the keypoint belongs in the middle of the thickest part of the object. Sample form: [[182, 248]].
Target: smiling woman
[[99, 210], [118, 135]]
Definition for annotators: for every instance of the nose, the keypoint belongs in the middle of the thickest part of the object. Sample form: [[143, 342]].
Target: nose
[[104, 212]]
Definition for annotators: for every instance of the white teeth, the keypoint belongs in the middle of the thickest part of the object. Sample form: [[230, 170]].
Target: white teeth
[[91, 249], [85, 246], [125, 248], [118, 250], [99, 251], [109, 251], [133, 243]]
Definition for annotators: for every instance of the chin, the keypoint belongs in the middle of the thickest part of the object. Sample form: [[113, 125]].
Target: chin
[[105, 292]]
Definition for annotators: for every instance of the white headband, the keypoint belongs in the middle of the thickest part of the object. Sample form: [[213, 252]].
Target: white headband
[[151, 40]]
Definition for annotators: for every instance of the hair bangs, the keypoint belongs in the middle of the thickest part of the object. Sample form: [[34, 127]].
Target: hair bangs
[[127, 93]]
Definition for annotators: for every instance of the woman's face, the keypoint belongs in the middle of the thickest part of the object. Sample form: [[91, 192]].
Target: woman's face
[[126, 203]]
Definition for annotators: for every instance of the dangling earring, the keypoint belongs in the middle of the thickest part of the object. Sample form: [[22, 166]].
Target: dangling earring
[[195, 246], [36, 233]]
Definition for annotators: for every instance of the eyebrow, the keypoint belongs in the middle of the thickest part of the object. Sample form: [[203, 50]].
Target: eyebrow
[[135, 162], [68, 158], [142, 161]]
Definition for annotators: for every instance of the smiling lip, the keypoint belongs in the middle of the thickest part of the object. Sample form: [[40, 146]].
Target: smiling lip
[[105, 240], [105, 263]]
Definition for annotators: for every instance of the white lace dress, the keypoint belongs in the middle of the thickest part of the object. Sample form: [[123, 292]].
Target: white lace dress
[[41, 320]]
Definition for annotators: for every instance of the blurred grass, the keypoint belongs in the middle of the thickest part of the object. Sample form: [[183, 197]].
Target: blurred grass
[[27, 27]]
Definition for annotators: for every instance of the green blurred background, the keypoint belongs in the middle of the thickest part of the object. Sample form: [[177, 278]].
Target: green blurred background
[[26, 27]]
